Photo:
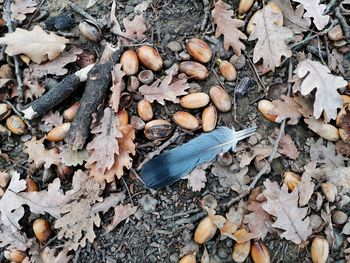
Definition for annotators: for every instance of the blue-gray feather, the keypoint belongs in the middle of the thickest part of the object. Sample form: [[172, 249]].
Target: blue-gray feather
[[170, 166]]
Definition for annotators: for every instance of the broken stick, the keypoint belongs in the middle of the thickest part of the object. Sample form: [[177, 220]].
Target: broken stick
[[97, 86], [56, 95]]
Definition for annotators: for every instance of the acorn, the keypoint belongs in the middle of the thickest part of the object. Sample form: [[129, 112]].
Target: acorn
[[123, 117], [70, 113], [346, 99], [90, 30], [15, 125], [137, 123], [241, 251], [205, 231], [275, 8], [319, 250], [220, 98], [158, 130], [259, 252], [130, 62], [5, 111], [343, 123], [195, 100], [330, 191], [339, 217], [64, 172], [189, 258], [15, 255], [150, 58], [42, 229], [199, 50], [185, 120], [291, 179], [227, 70], [265, 107], [325, 130], [244, 6], [194, 70], [209, 118], [58, 133], [32, 186], [144, 109], [146, 76]]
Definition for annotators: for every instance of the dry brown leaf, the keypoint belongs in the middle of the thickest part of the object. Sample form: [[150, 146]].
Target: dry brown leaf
[[4, 179], [19, 8], [306, 186], [48, 255], [11, 208], [73, 158], [288, 148], [33, 89], [271, 45], [39, 155], [259, 222], [228, 26], [338, 176], [53, 119], [237, 181], [316, 11], [167, 89], [293, 18], [242, 236], [337, 62], [36, 44], [13, 240], [289, 217], [197, 178], [258, 152], [327, 98], [234, 219], [121, 212], [286, 108], [117, 81], [103, 148], [134, 29], [326, 216], [325, 154], [306, 108], [56, 66]]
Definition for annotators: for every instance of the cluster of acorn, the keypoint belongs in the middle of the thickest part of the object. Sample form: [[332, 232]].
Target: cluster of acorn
[[200, 52]]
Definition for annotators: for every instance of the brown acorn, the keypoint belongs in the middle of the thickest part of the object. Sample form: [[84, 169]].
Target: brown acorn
[[244, 6], [150, 58], [144, 109], [158, 130], [58, 133], [123, 117], [265, 107], [220, 98], [330, 191], [32, 186], [319, 250], [15, 125], [259, 252], [227, 70], [70, 113], [199, 50], [339, 217], [209, 118], [189, 258], [195, 100], [241, 251], [42, 229], [185, 120], [15, 255], [130, 62], [194, 70], [205, 231], [90, 30], [5, 111]]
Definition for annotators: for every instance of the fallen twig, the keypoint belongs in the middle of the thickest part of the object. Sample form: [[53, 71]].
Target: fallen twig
[[344, 24], [206, 14]]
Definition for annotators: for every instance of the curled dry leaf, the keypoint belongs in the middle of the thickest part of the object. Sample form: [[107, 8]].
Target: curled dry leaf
[[228, 26], [117, 81], [316, 11], [36, 44], [327, 98], [121, 212], [19, 8], [289, 217], [271, 45], [56, 66], [286, 108], [288, 148], [167, 89], [52, 119]]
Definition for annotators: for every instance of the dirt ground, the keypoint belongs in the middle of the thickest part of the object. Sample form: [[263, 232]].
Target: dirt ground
[[162, 229]]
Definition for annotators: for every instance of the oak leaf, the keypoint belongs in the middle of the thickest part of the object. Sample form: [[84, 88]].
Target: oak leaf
[[289, 217], [52, 119], [70, 157], [36, 44], [288, 148], [306, 105], [39, 155], [325, 154], [196, 179], [293, 18], [103, 148], [271, 45], [234, 219], [286, 108], [48, 255], [327, 98], [228, 26], [117, 81], [306, 186], [19, 8], [134, 29], [56, 66], [13, 240], [167, 89], [316, 11], [33, 89], [121, 212], [258, 220]]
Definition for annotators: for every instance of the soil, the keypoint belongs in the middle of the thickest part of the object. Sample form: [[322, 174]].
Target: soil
[[162, 229]]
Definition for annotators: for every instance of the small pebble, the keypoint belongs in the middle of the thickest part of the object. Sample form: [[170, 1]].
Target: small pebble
[[148, 203], [194, 87], [222, 252], [174, 46], [184, 56], [238, 62], [152, 258], [167, 63], [129, 9]]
